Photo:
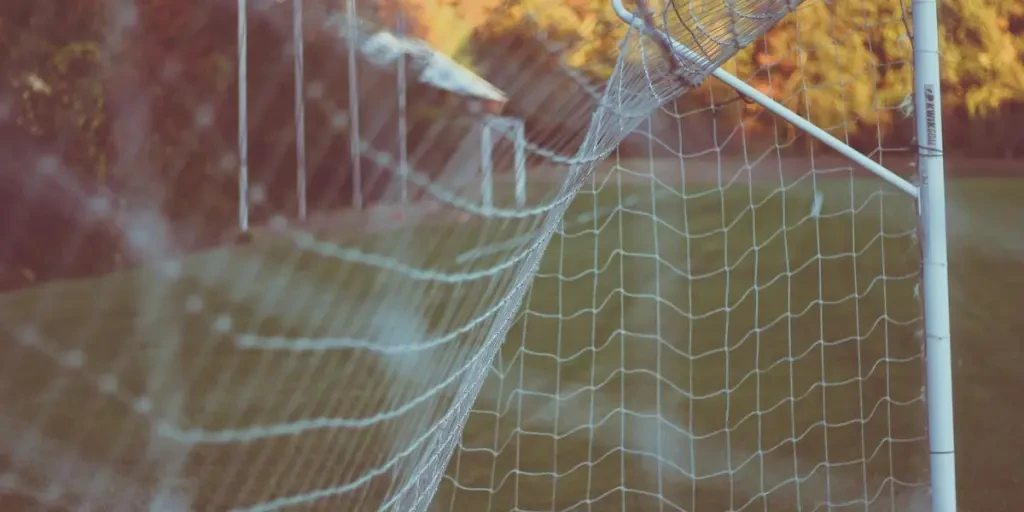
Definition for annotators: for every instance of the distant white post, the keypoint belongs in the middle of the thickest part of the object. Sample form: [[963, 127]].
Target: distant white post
[[403, 129], [519, 161], [509, 130], [300, 108], [355, 145], [935, 276], [243, 122], [486, 165]]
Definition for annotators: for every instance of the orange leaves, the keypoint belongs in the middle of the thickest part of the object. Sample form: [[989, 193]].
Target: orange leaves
[[751, 107], [446, 24], [781, 62], [765, 59], [775, 51], [765, 88]]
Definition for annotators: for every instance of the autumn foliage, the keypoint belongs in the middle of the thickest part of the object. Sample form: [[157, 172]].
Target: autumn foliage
[[139, 97], [70, 73]]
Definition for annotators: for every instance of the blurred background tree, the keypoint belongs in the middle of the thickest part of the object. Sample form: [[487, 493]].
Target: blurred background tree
[[847, 66], [139, 96], [61, 66], [51, 72]]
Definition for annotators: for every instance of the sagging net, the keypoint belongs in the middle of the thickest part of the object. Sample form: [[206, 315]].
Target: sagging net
[[482, 277]]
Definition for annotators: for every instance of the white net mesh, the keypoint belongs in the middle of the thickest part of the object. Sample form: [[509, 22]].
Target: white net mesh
[[556, 293]]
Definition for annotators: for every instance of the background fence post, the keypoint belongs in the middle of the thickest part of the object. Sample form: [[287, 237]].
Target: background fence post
[[403, 128], [243, 122], [300, 107], [935, 274], [519, 134], [355, 144], [486, 164]]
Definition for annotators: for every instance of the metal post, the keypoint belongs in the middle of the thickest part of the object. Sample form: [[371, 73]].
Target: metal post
[[519, 134], [300, 108], [486, 165], [243, 122], [355, 143], [403, 129], [935, 275]]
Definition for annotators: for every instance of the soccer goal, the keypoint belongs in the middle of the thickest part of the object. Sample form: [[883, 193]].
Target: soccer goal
[[628, 256], [724, 324]]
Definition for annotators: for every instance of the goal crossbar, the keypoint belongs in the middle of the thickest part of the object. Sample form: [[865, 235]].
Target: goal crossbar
[[772, 106]]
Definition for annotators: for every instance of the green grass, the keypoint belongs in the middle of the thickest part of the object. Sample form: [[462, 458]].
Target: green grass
[[747, 307], [822, 309]]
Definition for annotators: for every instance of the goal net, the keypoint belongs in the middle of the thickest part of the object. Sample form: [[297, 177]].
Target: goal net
[[373, 256]]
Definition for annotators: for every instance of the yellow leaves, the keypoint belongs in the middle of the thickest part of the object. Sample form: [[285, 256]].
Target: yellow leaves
[[783, 62], [1007, 54], [36, 84], [68, 54], [983, 100], [801, 57], [766, 89], [62, 94], [447, 25], [588, 24], [582, 34], [980, 56]]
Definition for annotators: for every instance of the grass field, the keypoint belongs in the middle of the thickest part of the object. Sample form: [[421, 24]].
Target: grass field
[[713, 332], [772, 344]]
